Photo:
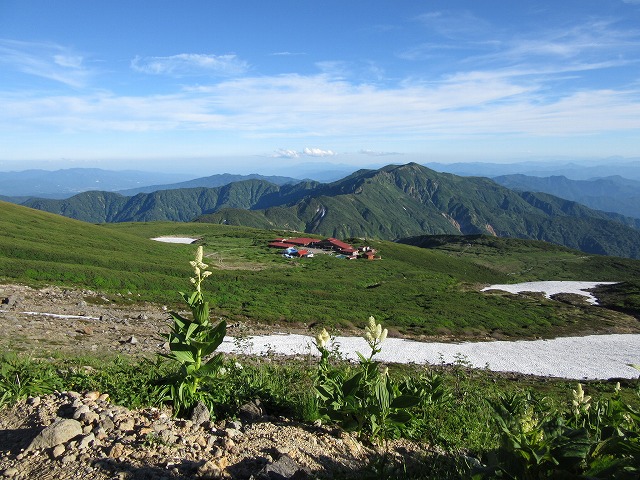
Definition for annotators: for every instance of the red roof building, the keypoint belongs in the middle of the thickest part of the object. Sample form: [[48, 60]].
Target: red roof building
[[301, 241], [279, 244]]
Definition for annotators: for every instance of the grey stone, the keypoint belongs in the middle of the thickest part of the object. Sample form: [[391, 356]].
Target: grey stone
[[168, 437], [80, 410], [89, 418], [233, 433], [9, 301], [200, 414], [60, 431], [285, 468], [11, 472], [86, 441], [234, 424], [250, 412], [58, 451], [106, 423], [69, 459], [126, 425]]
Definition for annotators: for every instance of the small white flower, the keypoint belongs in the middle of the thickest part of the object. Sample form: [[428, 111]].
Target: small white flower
[[374, 334], [322, 338], [238, 365]]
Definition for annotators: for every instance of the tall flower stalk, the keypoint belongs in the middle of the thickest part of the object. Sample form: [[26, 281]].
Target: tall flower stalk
[[191, 340]]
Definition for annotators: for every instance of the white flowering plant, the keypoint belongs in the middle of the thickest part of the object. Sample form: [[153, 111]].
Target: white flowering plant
[[589, 439], [366, 400], [191, 341]]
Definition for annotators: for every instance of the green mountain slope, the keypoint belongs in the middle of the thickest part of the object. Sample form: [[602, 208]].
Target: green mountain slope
[[210, 182], [390, 203], [38, 247], [412, 290], [401, 201], [179, 205]]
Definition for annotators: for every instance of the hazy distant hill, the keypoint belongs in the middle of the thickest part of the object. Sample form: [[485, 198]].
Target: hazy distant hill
[[627, 168], [611, 194], [390, 203], [211, 182], [67, 182]]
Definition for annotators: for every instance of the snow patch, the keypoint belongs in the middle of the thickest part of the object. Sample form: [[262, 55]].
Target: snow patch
[[552, 288], [590, 357], [185, 240]]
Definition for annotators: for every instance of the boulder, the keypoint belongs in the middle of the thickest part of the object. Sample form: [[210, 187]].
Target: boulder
[[60, 431]]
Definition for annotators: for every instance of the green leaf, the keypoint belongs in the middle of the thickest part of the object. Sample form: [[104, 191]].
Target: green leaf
[[400, 417], [190, 329], [405, 401], [351, 385], [382, 394], [214, 338], [212, 365], [182, 353]]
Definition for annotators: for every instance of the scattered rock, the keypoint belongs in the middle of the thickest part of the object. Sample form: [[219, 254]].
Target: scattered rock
[[58, 451], [10, 472], [60, 431], [284, 468], [250, 412], [10, 301], [200, 414]]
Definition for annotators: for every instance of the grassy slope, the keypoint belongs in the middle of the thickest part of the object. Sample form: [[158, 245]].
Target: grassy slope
[[412, 290], [38, 247]]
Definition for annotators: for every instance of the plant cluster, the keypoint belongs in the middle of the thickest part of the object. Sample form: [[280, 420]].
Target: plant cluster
[[365, 399], [595, 440]]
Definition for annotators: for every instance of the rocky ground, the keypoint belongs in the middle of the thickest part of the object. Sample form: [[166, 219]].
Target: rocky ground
[[69, 435], [82, 435]]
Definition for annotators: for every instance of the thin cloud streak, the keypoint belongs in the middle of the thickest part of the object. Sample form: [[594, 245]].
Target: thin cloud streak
[[45, 60], [187, 64], [295, 106]]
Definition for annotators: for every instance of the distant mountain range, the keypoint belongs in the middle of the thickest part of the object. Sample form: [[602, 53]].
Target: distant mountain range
[[627, 168], [611, 194], [67, 182], [388, 203], [211, 182]]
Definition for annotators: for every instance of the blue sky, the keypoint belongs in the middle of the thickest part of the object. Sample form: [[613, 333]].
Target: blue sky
[[239, 86]]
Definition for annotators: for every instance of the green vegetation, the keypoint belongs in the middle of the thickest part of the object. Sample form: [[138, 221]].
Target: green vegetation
[[191, 341], [367, 399], [414, 291], [459, 411], [390, 203], [531, 428]]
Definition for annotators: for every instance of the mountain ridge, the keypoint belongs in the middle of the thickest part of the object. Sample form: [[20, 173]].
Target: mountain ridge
[[392, 202], [612, 194]]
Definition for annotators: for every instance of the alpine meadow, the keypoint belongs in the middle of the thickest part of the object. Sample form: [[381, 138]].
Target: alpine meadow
[[295, 240]]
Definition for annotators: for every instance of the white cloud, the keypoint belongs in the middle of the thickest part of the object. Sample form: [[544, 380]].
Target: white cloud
[[318, 152], [306, 107], [284, 153], [309, 152], [191, 64], [45, 60], [286, 54], [374, 153]]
